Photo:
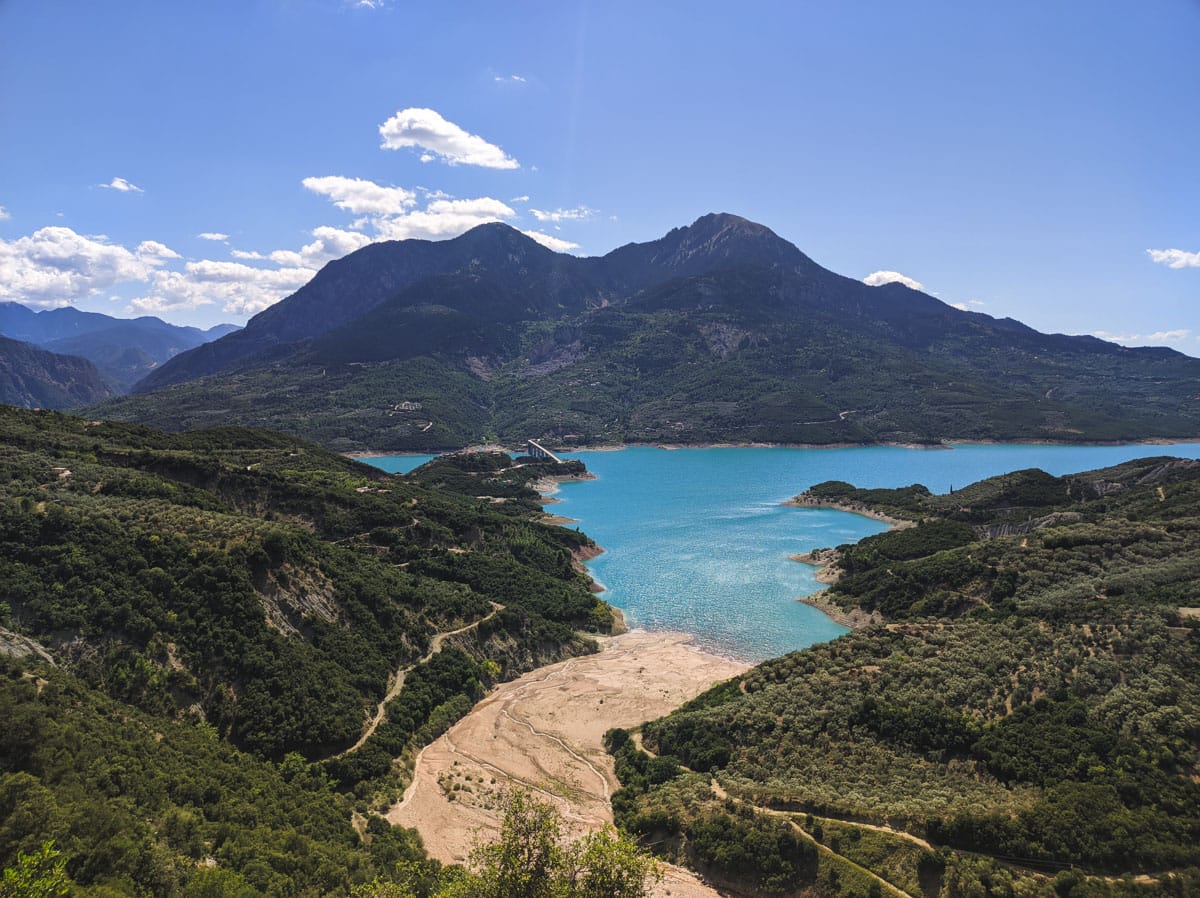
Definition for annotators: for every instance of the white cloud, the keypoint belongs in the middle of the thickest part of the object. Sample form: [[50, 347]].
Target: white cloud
[[213, 235], [1175, 258], [879, 278], [331, 243], [551, 242], [524, 198], [55, 265], [154, 249], [4, 214], [968, 305], [510, 79], [961, 306], [1156, 338], [443, 218], [426, 129], [243, 289], [579, 213], [245, 254], [122, 185], [361, 196]]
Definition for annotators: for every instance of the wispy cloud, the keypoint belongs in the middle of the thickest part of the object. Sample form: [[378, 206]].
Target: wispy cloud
[[443, 218], [361, 196], [121, 185], [213, 235], [4, 214], [967, 306], [242, 289], [331, 243], [551, 242], [510, 79], [1175, 258], [879, 278], [441, 139], [1156, 338], [579, 213]]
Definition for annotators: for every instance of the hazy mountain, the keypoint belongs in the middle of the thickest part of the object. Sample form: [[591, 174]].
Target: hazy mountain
[[34, 378], [717, 331], [123, 349]]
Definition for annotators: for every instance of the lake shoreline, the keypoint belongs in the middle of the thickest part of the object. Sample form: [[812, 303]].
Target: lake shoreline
[[863, 511], [947, 443], [545, 731]]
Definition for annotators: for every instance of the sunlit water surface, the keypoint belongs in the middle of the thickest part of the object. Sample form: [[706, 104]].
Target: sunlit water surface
[[696, 539]]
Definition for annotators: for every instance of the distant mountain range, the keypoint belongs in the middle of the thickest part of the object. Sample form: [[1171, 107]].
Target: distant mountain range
[[720, 331], [34, 378], [124, 350]]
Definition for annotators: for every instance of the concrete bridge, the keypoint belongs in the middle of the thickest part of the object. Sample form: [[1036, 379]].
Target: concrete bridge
[[537, 450]]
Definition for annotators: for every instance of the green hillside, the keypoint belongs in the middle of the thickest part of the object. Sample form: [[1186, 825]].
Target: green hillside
[[1027, 721], [198, 628]]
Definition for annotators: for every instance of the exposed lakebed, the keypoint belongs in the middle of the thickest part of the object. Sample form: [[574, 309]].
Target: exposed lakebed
[[697, 541]]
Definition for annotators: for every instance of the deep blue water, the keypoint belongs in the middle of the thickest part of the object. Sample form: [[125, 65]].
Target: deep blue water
[[697, 541]]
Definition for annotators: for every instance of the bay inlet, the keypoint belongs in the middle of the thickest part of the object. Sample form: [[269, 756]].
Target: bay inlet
[[697, 540]]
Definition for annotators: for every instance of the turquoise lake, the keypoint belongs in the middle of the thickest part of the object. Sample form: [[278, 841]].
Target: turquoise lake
[[696, 539]]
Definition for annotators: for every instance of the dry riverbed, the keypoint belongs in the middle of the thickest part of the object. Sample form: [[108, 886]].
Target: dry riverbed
[[545, 731]]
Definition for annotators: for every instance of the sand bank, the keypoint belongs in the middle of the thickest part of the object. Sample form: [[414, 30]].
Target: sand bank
[[545, 731], [806, 501]]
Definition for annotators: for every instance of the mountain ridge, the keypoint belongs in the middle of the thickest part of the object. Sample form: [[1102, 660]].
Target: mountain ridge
[[720, 331], [123, 349], [31, 377]]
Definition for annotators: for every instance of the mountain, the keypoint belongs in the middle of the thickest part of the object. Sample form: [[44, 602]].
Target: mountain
[[34, 378], [719, 331], [1016, 715], [195, 630], [124, 349]]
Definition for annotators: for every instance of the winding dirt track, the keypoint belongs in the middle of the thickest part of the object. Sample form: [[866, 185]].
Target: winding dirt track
[[397, 682], [545, 731]]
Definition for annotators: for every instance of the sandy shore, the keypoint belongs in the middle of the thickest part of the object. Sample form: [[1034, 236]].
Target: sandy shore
[[545, 731], [806, 501]]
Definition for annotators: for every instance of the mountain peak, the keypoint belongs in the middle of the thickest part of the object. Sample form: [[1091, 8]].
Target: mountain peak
[[721, 240]]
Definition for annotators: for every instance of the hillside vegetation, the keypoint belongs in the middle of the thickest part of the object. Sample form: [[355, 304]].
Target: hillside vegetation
[[35, 378], [199, 627], [1027, 721], [719, 331]]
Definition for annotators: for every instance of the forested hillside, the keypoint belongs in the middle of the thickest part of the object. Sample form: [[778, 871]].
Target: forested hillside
[[720, 331], [1027, 721], [199, 629], [35, 378]]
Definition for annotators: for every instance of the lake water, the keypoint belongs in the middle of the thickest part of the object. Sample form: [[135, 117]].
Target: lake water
[[397, 464], [696, 539]]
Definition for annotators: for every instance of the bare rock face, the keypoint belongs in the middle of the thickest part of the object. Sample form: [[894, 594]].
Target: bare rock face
[[14, 645]]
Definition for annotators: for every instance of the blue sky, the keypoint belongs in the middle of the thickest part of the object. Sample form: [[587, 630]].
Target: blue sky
[[1021, 159]]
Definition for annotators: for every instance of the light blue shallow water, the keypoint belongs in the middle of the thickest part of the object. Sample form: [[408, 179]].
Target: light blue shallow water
[[398, 464], [697, 541]]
